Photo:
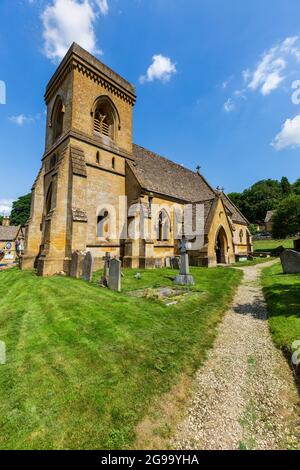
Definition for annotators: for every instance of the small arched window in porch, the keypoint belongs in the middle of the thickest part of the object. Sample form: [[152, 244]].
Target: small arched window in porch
[[103, 224], [98, 157], [113, 162], [163, 228]]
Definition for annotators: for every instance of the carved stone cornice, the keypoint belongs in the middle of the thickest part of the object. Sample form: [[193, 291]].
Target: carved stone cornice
[[80, 60]]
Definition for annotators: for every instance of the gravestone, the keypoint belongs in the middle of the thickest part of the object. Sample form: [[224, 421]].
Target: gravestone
[[168, 262], [87, 267], [114, 279], [175, 262], [76, 264], [184, 277], [290, 261], [107, 260], [297, 244]]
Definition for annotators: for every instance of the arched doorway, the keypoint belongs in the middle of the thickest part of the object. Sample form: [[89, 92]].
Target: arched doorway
[[221, 247]]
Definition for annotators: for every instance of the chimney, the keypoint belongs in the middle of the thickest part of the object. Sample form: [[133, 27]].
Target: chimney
[[5, 222]]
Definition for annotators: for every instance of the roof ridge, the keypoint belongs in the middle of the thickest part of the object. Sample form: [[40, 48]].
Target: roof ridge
[[167, 159]]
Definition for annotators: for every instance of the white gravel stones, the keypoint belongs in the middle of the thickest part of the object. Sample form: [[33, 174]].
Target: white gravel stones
[[244, 396]]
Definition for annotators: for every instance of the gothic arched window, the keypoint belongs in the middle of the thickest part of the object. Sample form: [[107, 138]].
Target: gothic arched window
[[163, 228], [241, 235], [104, 121], [103, 224], [58, 119], [48, 206]]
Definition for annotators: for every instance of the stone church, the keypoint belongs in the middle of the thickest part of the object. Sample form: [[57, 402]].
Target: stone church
[[90, 164]]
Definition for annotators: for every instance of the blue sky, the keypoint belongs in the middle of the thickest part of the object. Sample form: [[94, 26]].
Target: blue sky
[[213, 77]]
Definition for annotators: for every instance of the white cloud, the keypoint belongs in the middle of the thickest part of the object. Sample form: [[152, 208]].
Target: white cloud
[[229, 105], [21, 119], [103, 5], [68, 21], [272, 68], [289, 136], [162, 68], [5, 206]]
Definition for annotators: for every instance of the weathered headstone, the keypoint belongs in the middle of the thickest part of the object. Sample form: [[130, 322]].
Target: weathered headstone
[[114, 279], [297, 244], [184, 278], [168, 262], [290, 261], [175, 262], [87, 267], [76, 264], [107, 260]]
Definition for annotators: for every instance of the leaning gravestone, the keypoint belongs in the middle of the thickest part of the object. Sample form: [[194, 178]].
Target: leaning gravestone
[[87, 267], [114, 279], [76, 264], [290, 261]]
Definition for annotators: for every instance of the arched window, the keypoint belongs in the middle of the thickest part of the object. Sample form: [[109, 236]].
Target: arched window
[[58, 119], [104, 119], [113, 162], [103, 224], [48, 205], [241, 235], [98, 157], [163, 228]]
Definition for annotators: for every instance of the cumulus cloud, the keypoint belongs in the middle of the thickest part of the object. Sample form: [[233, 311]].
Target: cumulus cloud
[[21, 119], [162, 68], [68, 21], [274, 66], [289, 136], [271, 69], [5, 206]]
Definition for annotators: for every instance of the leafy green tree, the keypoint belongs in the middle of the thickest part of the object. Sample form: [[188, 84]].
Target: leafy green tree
[[286, 220], [285, 186], [296, 187], [253, 229], [254, 202], [20, 210], [1, 218]]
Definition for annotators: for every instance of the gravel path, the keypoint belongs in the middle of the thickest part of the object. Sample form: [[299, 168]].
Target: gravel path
[[244, 396]]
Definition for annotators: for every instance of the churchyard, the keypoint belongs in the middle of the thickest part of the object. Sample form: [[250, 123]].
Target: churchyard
[[85, 364]]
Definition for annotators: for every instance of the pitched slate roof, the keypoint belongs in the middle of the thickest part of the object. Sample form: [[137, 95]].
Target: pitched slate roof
[[162, 176], [9, 234]]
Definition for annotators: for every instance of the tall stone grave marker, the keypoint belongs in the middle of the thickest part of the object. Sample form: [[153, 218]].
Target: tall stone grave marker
[[184, 277], [114, 279], [76, 264], [87, 267]]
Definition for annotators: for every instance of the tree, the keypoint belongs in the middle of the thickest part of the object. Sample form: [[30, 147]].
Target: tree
[[285, 186], [254, 202], [296, 187], [286, 220], [20, 210]]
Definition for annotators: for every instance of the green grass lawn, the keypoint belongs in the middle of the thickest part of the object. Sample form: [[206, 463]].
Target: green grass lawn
[[84, 364], [282, 293], [269, 245]]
